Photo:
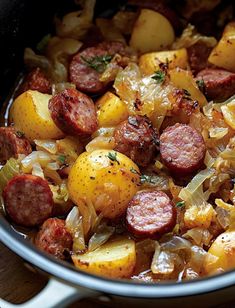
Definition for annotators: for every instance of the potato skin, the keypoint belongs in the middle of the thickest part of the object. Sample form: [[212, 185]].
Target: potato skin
[[223, 53], [151, 32], [224, 249], [30, 115], [149, 62], [110, 110], [115, 259], [110, 185]]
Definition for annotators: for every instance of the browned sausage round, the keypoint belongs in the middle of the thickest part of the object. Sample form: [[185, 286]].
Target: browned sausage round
[[137, 139], [73, 112], [12, 143], [86, 66], [28, 200], [182, 149], [150, 214], [198, 55], [36, 80], [54, 238], [219, 83]]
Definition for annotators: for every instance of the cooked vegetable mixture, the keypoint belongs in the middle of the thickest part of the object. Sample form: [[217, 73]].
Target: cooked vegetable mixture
[[119, 151]]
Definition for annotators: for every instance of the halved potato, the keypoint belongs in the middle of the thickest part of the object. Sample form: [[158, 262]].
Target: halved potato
[[152, 32], [149, 62], [228, 112], [223, 53], [183, 79], [223, 251], [114, 259], [107, 178], [30, 115], [110, 110]]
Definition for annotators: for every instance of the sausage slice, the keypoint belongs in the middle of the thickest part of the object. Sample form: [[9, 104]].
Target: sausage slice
[[87, 66], [28, 200], [219, 84], [12, 143], [150, 214], [73, 112], [137, 139], [182, 149], [36, 80], [54, 238]]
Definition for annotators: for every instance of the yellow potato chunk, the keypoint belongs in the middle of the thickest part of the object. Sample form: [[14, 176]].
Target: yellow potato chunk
[[223, 53], [183, 79], [229, 113], [110, 110], [108, 178], [151, 32], [222, 252], [149, 62], [30, 114], [115, 259]]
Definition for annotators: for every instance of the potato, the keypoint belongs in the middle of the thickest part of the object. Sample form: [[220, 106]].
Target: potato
[[115, 259], [223, 53], [106, 178], [151, 32], [149, 62], [228, 112], [223, 250], [183, 79], [30, 114], [110, 110]]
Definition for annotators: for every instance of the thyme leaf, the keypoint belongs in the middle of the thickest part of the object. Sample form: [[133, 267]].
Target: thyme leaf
[[98, 63]]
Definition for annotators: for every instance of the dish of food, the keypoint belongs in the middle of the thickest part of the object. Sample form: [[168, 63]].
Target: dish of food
[[118, 153]]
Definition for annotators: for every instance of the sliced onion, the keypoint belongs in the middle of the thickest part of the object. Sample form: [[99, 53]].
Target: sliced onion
[[37, 170], [102, 234], [218, 132], [176, 243], [75, 227], [223, 217], [40, 157], [200, 236], [49, 145], [100, 143], [209, 160], [8, 171], [195, 183]]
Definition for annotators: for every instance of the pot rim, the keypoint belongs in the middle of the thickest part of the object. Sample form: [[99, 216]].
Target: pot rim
[[71, 275]]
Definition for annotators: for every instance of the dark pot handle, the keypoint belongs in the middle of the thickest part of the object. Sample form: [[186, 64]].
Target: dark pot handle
[[56, 294]]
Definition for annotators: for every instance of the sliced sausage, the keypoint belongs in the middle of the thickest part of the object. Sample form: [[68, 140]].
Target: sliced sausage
[[150, 214], [54, 238], [36, 80], [198, 55], [28, 200], [182, 149], [73, 112], [87, 66], [137, 139], [219, 84], [12, 143]]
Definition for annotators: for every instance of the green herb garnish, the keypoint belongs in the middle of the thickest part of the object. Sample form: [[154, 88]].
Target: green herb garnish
[[146, 179], [201, 85], [180, 204], [62, 158], [113, 157], [19, 134], [134, 171], [98, 63], [159, 76]]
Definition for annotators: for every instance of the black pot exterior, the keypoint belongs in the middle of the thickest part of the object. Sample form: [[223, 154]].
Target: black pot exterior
[[23, 23]]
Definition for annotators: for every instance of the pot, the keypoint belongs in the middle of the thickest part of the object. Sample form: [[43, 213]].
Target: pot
[[23, 23]]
